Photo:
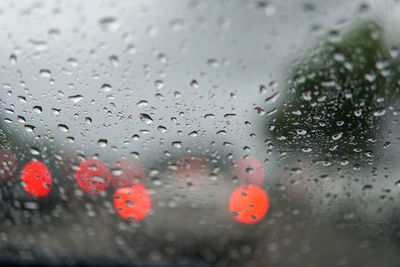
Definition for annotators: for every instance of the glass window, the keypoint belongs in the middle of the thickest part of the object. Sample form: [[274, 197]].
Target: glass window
[[196, 133]]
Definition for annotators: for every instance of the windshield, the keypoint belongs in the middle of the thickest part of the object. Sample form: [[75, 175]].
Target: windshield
[[228, 133]]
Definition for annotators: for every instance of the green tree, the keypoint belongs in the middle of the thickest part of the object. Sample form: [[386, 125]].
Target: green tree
[[337, 96]]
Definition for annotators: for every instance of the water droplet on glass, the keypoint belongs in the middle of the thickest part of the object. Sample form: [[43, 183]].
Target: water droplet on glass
[[358, 112], [162, 129], [13, 59], [271, 99], [209, 116], [102, 142], [76, 98], [301, 131], [194, 133], [146, 118], [38, 109], [34, 151], [114, 60], [142, 103], [21, 119], [159, 84], [386, 145], [177, 144], [72, 61], [106, 88], [213, 62], [29, 128], [109, 24], [337, 136], [45, 73], [131, 49], [194, 84], [379, 112], [64, 128]]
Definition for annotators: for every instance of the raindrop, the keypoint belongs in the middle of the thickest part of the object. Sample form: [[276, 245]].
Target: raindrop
[[162, 58], [386, 145], [159, 84], [129, 203], [76, 98], [194, 133], [106, 88], [72, 61], [379, 112], [307, 95], [64, 128], [21, 119], [301, 131], [337, 136], [369, 154], [213, 62], [45, 73], [358, 112], [31, 205], [177, 144], [98, 178], [13, 59], [22, 99], [394, 51], [209, 116], [117, 171], [146, 118], [102, 142], [142, 103], [29, 128], [131, 49], [194, 84], [162, 129], [34, 151], [228, 115], [38, 109], [56, 111], [109, 24], [272, 98], [114, 60]]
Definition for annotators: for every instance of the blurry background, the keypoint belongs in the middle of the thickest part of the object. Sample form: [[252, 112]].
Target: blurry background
[[308, 88]]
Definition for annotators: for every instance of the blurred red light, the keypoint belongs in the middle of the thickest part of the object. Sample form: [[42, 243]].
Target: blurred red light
[[36, 178], [132, 203], [248, 204], [192, 171], [249, 170], [93, 176]]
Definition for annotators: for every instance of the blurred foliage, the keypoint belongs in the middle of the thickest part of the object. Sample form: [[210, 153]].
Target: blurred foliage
[[338, 95]]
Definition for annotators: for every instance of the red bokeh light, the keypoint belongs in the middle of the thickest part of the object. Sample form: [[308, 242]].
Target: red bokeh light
[[127, 172], [248, 204], [93, 176], [132, 203], [36, 178], [192, 171], [8, 165], [249, 170]]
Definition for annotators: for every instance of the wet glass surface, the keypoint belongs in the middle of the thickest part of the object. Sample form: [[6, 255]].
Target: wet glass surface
[[195, 133]]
